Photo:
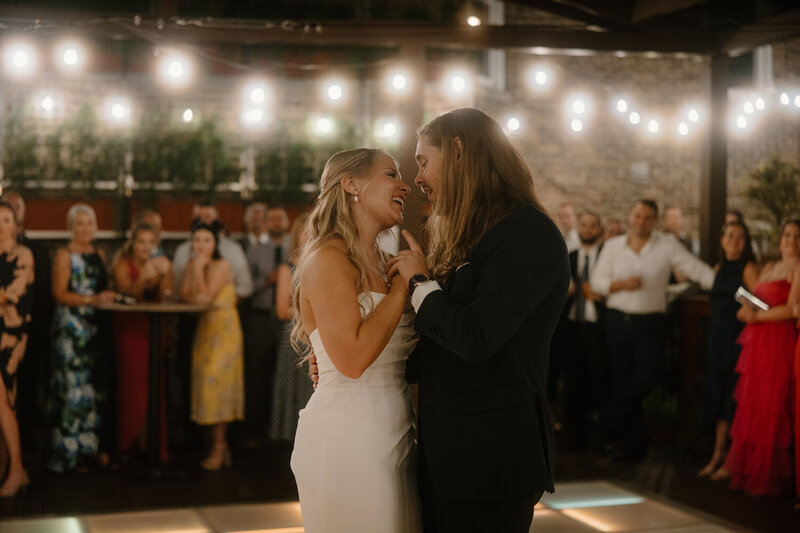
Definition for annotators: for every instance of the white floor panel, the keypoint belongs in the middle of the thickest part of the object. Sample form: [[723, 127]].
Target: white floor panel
[[282, 517], [172, 521]]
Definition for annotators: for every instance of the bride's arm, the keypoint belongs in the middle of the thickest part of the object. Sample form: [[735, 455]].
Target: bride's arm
[[353, 344]]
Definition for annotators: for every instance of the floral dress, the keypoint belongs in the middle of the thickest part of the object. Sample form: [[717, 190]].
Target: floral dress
[[77, 391], [16, 277]]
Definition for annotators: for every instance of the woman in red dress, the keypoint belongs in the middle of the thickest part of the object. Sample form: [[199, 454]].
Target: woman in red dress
[[137, 274], [760, 457]]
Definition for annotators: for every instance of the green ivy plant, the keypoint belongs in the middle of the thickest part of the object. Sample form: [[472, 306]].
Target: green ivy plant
[[774, 190]]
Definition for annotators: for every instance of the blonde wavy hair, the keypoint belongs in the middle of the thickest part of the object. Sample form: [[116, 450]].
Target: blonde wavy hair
[[489, 181], [333, 218]]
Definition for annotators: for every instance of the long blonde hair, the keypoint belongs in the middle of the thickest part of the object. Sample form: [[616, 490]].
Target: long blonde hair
[[333, 218], [483, 186]]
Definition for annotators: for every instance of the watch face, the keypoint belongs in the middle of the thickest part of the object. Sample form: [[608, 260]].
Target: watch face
[[419, 278]]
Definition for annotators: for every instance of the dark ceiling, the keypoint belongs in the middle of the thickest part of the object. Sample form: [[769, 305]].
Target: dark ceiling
[[709, 26]]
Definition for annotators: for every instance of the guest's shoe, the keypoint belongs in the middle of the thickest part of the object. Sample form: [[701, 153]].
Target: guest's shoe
[[10, 491], [217, 461], [720, 474]]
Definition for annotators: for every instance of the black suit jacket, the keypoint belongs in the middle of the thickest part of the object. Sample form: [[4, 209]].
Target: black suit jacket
[[573, 272], [482, 359]]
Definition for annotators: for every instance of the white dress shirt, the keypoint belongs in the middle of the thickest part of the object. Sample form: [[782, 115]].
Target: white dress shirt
[[573, 240], [653, 264], [590, 312]]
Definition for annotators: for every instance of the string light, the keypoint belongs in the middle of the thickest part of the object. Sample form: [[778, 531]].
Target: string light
[[513, 124], [188, 115], [473, 21], [683, 129], [622, 105], [634, 118], [20, 59], [576, 125]]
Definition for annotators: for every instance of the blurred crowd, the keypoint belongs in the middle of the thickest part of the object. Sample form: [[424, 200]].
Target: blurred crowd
[[608, 353], [83, 387]]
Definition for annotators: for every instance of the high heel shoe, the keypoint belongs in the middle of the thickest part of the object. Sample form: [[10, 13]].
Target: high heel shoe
[[12, 491], [216, 462]]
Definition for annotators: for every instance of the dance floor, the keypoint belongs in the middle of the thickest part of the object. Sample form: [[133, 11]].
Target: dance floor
[[575, 507]]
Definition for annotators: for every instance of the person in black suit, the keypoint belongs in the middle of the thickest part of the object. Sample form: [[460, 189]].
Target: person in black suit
[[487, 300], [586, 372]]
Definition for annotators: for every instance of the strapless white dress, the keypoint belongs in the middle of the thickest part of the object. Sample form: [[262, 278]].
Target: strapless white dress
[[354, 456]]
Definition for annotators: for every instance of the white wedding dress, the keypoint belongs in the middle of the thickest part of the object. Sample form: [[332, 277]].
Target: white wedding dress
[[354, 453]]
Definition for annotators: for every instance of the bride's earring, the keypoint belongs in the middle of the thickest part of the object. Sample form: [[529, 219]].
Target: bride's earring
[[355, 197]]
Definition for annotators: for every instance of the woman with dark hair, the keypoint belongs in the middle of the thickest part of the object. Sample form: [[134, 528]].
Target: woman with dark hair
[[736, 268], [217, 371], [487, 300], [140, 273], [16, 278], [760, 457]]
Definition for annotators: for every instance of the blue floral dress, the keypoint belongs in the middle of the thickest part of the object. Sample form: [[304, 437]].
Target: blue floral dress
[[76, 393]]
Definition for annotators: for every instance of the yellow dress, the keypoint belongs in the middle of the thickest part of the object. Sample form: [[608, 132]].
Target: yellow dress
[[217, 367]]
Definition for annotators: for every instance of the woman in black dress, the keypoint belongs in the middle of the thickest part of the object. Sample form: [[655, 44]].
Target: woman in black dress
[[737, 268], [16, 277]]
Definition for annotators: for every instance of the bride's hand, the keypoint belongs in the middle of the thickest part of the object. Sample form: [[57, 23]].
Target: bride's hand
[[313, 369]]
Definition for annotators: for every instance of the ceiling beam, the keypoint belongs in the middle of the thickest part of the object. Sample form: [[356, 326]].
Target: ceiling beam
[[648, 9], [573, 11], [366, 34], [768, 31]]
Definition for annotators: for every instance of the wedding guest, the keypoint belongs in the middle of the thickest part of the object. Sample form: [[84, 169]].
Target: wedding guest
[[217, 380], [140, 275], [673, 224], [632, 272], [31, 405], [736, 269], [760, 456], [794, 301], [262, 327], [586, 375], [228, 248], [291, 389], [255, 226], [152, 218], [613, 229], [16, 278], [568, 224], [78, 405]]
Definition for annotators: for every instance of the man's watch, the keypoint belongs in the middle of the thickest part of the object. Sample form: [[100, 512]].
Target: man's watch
[[415, 281]]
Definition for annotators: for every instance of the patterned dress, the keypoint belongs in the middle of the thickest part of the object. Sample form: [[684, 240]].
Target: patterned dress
[[77, 392], [292, 388], [16, 277], [217, 363]]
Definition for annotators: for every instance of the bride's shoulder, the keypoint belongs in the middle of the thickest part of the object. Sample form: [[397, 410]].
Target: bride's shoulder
[[329, 258]]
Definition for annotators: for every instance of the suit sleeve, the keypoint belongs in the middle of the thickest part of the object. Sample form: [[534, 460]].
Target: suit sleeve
[[520, 269]]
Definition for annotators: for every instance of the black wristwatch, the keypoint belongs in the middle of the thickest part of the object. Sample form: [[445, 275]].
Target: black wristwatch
[[415, 281]]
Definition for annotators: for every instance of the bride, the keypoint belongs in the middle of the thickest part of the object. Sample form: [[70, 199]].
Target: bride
[[354, 455]]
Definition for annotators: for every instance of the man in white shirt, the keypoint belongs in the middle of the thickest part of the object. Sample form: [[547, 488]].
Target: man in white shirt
[[633, 271]]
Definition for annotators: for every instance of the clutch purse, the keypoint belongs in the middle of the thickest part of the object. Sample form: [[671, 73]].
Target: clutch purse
[[743, 296]]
